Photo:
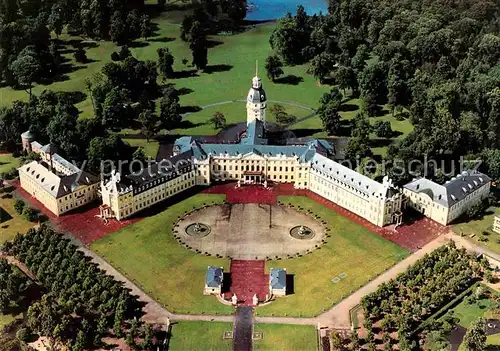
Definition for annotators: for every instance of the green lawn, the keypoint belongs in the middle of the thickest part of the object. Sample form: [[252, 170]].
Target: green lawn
[[470, 312], [7, 162], [482, 228], [16, 223], [195, 336], [493, 342], [351, 250], [147, 253], [6, 319], [150, 148], [280, 337]]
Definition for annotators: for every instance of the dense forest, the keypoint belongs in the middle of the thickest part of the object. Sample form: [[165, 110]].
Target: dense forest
[[436, 63]]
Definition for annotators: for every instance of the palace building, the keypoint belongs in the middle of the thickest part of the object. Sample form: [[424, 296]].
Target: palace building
[[57, 183], [305, 163], [445, 203]]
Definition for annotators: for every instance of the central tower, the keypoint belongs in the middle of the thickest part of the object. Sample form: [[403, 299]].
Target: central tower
[[256, 100]]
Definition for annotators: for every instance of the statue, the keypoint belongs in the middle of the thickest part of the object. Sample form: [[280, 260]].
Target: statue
[[234, 300], [265, 184], [301, 230], [238, 184], [255, 300]]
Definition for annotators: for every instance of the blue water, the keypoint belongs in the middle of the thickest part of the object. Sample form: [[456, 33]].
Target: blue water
[[261, 10]]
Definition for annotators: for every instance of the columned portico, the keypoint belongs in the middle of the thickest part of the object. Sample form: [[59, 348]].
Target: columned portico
[[254, 177]]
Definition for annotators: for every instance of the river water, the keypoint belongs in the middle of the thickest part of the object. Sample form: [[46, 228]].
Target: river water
[[260, 10]]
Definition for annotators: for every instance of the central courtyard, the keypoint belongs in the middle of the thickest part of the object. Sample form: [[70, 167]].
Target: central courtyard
[[251, 231]]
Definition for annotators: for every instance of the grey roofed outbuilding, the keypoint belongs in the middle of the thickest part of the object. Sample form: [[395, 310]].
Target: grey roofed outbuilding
[[452, 191], [214, 277], [277, 278]]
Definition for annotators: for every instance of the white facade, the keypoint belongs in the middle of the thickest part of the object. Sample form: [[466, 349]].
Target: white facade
[[445, 203], [58, 184]]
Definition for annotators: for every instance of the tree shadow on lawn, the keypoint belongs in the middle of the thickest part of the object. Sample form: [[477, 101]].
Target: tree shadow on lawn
[[163, 39], [188, 124], [62, 74], [87, 44], [184, 91], [304, 132], [213, 43], [345, 129], [289, 80], [380, 142], [138, 44], [185, 74], [217, 68], [189, 109], [348, 107]]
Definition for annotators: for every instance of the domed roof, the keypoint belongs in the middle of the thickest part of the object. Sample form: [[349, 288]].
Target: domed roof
[[28, 135], [256, 94]]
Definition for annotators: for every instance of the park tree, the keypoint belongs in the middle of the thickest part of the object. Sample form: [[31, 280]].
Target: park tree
[[491, 159], [115, 108], [80, 55], [19, 206], [218, 120], [56, 20], [475, 337], [133, 24], [146, 27], [199, 46], [61, 131], [26, 68], [117, 29], [283, 40], [358, 61], [383, 129], [30, 214], [170, 116], [345, 78], [373, 84], [321, 66], [105, 148], [165, 63], [274, 67], [149, 123], [328, 110]]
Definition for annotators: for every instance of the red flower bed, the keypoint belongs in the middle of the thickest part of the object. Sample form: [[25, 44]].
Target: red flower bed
[[248, 278]]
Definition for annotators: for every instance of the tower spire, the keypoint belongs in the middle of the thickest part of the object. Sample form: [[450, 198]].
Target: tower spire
[[256, 68]]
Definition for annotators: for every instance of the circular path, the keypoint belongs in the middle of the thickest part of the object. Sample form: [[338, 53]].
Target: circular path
[[251, 231]]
